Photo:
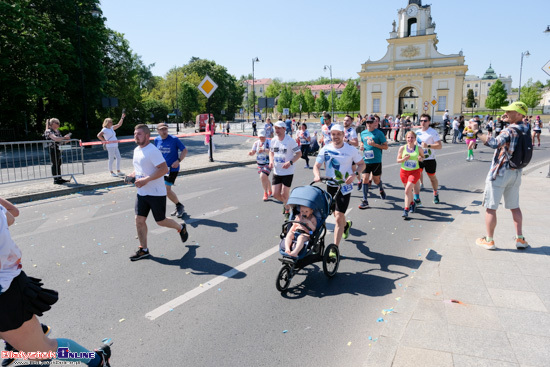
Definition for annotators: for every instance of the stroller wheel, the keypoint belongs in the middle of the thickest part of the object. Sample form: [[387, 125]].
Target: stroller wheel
[[331, 260], [283, 279]]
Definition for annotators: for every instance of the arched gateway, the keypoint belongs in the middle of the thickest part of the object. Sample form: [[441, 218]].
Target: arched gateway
[[413, 71]]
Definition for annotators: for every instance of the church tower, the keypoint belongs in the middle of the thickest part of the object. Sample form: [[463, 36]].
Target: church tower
[[413, 72]]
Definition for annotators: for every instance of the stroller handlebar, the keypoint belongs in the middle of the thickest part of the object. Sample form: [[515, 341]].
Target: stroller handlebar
[[327, 180]]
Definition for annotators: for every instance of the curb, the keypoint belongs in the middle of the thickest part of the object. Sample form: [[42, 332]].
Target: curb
[[101, 185]]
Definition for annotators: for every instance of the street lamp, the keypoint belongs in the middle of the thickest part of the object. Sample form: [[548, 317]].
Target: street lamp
[[254, 60], [329, 67], [526, 54], [177, 104], [547, 29]]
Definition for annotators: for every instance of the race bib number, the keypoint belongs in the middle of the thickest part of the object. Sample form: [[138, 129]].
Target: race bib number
[[470, 135], [346, 189], [369, 154], [410, 164], [261, 158], [426, 152], [279, 159]]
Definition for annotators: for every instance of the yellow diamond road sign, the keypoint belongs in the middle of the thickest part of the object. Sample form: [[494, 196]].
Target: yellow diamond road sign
[[434, 102], [207, 86], [546, 68]]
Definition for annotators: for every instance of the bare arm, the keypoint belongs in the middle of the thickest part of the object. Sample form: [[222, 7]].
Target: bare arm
[[120, 122], [12, 209], [162, 169]]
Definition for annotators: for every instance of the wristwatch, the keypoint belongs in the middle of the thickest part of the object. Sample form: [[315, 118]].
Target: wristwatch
[[429, 145], [291, 163], [179, 160]]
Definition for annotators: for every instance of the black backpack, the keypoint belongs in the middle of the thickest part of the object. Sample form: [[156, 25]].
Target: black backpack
[[524, 150]]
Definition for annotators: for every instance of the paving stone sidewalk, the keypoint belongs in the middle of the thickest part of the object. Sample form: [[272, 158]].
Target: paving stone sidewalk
[[467, 306]]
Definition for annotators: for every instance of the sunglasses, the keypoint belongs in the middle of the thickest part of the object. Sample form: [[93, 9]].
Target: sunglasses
[[370, 122], [423, 120]]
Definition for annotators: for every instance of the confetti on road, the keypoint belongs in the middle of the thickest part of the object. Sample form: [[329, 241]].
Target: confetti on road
[[285, 331], [398, 299], [121, 320], [380, 319], [34, 265], [387, 311], [99, 243], [263, 261], [416, 239], [164, 290], [349, 343], [105, 252]]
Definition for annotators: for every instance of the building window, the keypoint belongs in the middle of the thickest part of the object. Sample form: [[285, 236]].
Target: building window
[[475, 94], [376, 105], [488, 84], [442, 103], [261, 89], [467, 85], [476, 85]]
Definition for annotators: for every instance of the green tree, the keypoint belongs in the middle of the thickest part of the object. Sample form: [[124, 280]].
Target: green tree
[[321, 103], [285, 99], [496, 98], [310, 102], [470, 100], [155, 109], [530, 95], [229, 89], [349, 100], [188, 101], [298, 103]]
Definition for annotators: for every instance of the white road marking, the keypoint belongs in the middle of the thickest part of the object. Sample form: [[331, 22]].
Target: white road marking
[[178, 301], [199, 218], [168, 306]]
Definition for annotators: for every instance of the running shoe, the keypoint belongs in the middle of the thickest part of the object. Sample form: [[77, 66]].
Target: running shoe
[[405, 214], [485, 244], [306, 166], [332, 254], [412, 208], [359, 186], [140, 254], [265, 196], [183, 233], [418, 203], [345, 235], [114, 174], [175, 212], [270, 194], [364, 204], [122, 174], [521, 244], [9, 348], [383, 194], [179, 210], [436, 199], [105, 353]]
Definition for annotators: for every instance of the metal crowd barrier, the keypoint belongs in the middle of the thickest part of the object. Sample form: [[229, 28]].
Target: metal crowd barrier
[[31, 160]]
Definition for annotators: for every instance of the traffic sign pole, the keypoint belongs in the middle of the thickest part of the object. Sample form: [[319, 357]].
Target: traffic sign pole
[[207, 87]]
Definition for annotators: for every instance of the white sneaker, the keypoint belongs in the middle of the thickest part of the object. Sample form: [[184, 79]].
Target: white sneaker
[[521, 244], [114, 174], [121, 174]]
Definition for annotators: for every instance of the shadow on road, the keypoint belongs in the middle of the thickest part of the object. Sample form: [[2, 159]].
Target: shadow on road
[[316, 284], [200, 265]]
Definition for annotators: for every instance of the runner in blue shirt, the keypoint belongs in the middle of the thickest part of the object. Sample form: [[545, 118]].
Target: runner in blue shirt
[[170, 146], [373, 141]]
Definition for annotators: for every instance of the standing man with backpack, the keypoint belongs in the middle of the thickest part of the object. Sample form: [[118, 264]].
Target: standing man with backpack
[[513, 152]]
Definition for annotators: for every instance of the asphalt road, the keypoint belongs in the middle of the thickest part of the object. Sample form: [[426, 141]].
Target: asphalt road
[[212, 301]]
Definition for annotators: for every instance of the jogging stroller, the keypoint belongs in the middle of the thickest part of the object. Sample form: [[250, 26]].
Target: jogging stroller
[[314, 249]]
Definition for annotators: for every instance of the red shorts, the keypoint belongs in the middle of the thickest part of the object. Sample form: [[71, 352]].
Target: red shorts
[[410, 176]]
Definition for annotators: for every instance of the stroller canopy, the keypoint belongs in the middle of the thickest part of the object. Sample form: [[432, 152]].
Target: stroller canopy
[[313, 197]]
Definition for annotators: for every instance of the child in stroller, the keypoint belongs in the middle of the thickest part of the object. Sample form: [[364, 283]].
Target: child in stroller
[[314, 205], [300, 232]]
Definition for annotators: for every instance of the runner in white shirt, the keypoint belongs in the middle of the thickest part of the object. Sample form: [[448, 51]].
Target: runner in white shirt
[[284, 152], [325, 129], [339, 158], [428, 139], [261, 149], [149, 170]]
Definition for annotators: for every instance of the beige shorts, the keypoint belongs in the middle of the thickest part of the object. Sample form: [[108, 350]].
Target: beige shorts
[[506, 186]]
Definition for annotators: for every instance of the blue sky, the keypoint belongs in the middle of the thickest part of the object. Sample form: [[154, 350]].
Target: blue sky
[[295, 39]]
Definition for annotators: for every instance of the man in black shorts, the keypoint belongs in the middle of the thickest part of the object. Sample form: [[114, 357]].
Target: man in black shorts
[[283, 153], [149, 169], [339, 158], [169, 146]]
